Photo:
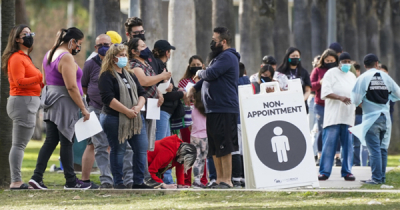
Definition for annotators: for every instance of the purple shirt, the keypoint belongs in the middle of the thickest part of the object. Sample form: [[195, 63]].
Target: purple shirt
[[54, 77], [90, 80]]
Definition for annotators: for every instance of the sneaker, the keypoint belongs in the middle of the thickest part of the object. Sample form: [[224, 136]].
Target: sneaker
[[152, 183], [78, 185], [129, 186], [372, 182], [106, 186], [338, 162], [212, 184], [198, 185], [322, 177], [144, 186], [243, 183], [317, 161], [53, 168], [94, 186], [349, 177], [237, 184], [37, 185], [119, 186]]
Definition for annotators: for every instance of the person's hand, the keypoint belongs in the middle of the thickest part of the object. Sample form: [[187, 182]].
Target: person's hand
[[196, 77], [130, 114], [169, 89], [168, 186], [183, 186], [136, 109], [186, 100], [166, 75], [320, 82], [345, 100], [270, 89], [86, 114], [191, 93], [181, 89], [160, 100]]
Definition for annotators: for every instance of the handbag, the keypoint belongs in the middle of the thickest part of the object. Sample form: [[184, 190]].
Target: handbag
[[179, 111]]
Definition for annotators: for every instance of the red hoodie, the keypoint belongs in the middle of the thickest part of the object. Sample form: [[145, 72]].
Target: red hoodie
[[316, 75], [165, 152]]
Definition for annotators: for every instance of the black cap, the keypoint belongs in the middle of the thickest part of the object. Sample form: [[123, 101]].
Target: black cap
[[336, 47], [268, 59], [344, 56], [370, 58], [163, 45]]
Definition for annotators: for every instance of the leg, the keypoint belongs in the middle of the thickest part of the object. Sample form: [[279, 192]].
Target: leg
[[319, 117], [383, 152], [211, 169], [203, 179], [162, 125], [67, 159], [128, 165], [357, 144], [185, 133], [226, 162], [329, 138], [347, 149], [87, 161], [236, 168], [218, 168], [139, 145], [373, 141]]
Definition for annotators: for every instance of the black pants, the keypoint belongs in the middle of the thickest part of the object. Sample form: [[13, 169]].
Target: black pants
[[53, 136], [237, 166]]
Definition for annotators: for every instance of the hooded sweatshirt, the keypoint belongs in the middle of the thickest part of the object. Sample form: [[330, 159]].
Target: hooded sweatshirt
[[316, 75], [165, 152], [219, 83]]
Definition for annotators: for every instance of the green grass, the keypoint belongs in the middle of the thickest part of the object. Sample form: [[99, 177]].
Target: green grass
[[94, 199]]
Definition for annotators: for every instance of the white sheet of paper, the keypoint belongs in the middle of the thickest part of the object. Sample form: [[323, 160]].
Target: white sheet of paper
[[163, 86], [188, 86], [153, 111], [89, 128]]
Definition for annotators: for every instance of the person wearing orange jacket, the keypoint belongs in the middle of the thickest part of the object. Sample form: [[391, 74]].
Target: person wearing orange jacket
[[171, 152], [22, 105]]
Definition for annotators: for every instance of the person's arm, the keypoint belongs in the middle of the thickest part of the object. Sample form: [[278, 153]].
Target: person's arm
[[394, 90], [68, 69], [343, 99], [86, 76], [216, 70], [179, 171], [307, 84], [315, 82], [359, 91], [159, 160], [174, 95], [307, 92], [17, 71], [147, 81]]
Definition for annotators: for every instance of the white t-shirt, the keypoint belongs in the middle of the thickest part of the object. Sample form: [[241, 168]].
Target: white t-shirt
[[340, 83], [91, 55]]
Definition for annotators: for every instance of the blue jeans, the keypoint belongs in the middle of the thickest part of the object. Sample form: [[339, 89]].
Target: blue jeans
[[139, 146], [163, 130], [319, 118], [330, 137], [212, 173], [360, 152], [377, 155]]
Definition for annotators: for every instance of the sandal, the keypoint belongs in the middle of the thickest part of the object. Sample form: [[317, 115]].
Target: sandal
[[22, 187], [223, 185]]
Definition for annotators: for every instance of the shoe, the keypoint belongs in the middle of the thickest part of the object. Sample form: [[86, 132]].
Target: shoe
[[53, 168], [79, 185], [338, 162], [322, 177], [152, 183], [119, 186], [37, 185], [371, 182], [94, 186], [129, 186], [349, 177], [23, 186], [237, 184], [144, 186], [212, 184], [223, 185], [243, 183], [198, 185], [106, 186], [317, 161]]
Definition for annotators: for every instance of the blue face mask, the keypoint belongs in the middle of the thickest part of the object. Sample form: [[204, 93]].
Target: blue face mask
[[145, 53], [345, 67], [103, 50], [122, 61]]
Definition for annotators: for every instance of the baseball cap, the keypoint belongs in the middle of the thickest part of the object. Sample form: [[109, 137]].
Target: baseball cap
[[163, 45], [344, 56], [115, 37], [370, 58], [336, 47]]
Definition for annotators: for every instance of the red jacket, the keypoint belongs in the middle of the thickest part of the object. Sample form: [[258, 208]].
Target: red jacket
[[165, 152], [316, 75]]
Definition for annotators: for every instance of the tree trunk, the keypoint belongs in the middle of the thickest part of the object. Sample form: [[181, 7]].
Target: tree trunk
[[386, 35], [107, 13], [318, 27], [182, 35], [150, 12], [223, 15], [267, 16], [361, 29], [302, 30], [350, 37], [395, 15], [7, 23], [203, 27], [281, 31], [22, 17], [373, 27]]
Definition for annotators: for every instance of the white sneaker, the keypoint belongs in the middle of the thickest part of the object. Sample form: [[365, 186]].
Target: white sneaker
[[53, 168]]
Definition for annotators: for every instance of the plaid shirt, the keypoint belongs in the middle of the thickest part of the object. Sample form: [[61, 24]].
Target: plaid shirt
[[151, 91]]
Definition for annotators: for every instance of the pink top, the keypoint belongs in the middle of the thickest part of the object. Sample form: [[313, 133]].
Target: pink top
[[316, 75], [199, 124], [54, 77]]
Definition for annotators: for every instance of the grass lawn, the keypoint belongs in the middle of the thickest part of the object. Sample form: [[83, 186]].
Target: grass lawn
[[186, 199]]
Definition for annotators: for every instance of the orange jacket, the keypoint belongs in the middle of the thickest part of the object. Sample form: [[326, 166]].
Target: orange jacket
[[25, 79]]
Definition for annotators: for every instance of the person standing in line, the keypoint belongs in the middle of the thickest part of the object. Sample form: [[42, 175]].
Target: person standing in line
[[338, 117], [62, 102], [311, 114], [374, 90], [22, 105], [268, 59]]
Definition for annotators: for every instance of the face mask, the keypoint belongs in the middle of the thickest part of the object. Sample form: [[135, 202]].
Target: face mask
[[345, 67], [265, 79], [76, 50], [145, 53], [194, 69], [214, 47], [294, 61], [122, 61], [28, 41], [140, 36], [103, 50], [330, 65]]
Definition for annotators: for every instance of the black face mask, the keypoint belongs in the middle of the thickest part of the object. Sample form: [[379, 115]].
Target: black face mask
[[265, 79], [215, 50], [194, 69], [294, 61], [140, 36], [330, 65], [28, 41]]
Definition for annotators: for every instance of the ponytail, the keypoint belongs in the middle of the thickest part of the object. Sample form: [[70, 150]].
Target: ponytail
[[64, 36], [61, 33]]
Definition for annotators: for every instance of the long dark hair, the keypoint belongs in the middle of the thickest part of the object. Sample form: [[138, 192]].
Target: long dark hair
[[64, 36], [328, 52], [12, 46], [198, 103], [133, 44], [285, 66], [189, 74]]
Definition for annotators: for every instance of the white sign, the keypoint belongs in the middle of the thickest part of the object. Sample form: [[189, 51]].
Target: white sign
[[162, 87], [89, 128], [153, 110], [277, 147]]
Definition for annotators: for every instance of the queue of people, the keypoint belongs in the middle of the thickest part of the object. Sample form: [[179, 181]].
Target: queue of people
[[199, 126]]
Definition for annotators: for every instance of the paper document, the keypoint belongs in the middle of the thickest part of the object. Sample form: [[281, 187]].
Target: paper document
[[188, 86], [163, 86], [89, 128], [153, 111]]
